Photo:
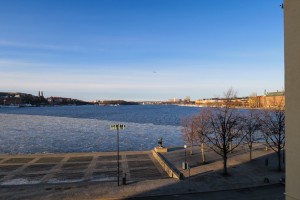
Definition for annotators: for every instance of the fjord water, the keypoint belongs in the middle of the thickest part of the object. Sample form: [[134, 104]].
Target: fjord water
[[65, 129]]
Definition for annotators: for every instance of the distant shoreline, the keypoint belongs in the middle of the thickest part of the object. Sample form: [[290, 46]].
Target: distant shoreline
[[236, 107]]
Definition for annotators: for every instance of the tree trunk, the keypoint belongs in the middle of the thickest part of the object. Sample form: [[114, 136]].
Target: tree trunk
[[202, 151], [225, 164], [250, 148], [279, 159], [191, 149], [283, 156]]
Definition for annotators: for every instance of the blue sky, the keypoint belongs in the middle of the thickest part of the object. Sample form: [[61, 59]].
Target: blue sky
[[141, 49]]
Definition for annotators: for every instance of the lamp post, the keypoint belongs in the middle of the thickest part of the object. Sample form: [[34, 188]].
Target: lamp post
[[184, 164], [118, 127], [184, 153]]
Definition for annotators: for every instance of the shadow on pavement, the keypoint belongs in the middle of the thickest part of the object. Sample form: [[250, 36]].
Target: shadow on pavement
[[244, 181]]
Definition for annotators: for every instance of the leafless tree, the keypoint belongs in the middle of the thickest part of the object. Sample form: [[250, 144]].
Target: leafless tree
[[273, 128], [251, 127], [224, 128], [189, 132], [252, 100], [202, 128]]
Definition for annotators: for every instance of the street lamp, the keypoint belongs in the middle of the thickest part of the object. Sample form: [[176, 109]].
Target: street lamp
[[184, 165], [184, 153], [118, 127]]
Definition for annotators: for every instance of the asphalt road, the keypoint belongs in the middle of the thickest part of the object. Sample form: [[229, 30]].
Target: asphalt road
[[269, 192]]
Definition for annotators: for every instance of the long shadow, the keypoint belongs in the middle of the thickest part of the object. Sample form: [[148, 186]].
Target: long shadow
[[275, 191], [230, 155], [174, 148], [263, 162], [248, 175]]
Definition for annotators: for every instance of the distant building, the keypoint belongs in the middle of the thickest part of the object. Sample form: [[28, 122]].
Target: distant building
[[175, 100], [59, 100], [269, 100], [187, 100], [207, 102]]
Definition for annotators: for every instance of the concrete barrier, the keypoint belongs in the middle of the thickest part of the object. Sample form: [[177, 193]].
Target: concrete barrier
[[161, 149], [171, 172]]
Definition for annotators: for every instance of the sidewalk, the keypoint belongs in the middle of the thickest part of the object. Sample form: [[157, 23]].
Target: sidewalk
[[242, 172], [203, 178]]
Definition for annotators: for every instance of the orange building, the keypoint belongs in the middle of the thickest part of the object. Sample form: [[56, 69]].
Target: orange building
[[270, 100]]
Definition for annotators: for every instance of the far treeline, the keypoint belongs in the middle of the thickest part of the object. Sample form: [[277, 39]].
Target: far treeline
[[223, 128], [116, 102], [24, 99]]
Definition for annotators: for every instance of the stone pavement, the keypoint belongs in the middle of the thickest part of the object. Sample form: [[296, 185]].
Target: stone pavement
[[77, 167], [145, 179]]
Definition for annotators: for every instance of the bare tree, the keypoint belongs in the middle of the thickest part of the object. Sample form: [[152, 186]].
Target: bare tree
[[253, 100], [225, 131], [251, 126], [202, 128], [189, 131], [273, 128]]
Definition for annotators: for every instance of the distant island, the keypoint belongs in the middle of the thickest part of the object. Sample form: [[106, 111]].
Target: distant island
[[17, 99], [116, 102]]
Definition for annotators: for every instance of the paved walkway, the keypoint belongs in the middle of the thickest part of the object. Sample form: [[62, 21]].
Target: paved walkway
[[242, 171], [77, 167], [144, 173]]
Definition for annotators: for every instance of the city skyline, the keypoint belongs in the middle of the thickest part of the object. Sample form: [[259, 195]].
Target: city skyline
[[141, 50]]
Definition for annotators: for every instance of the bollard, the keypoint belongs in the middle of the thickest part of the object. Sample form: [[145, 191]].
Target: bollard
[[181, 177], [267, 162], [183, 165], [266, 180], [124, 180]]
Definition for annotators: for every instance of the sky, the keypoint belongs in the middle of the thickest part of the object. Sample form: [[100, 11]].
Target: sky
[[141, 49]]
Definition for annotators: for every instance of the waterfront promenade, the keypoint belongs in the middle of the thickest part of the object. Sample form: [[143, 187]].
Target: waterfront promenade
[[93, 175]]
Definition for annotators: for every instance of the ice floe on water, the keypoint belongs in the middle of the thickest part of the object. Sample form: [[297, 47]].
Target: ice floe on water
[[51, 134]]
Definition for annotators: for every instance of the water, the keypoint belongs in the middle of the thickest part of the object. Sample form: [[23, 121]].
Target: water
[[86, 128]]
